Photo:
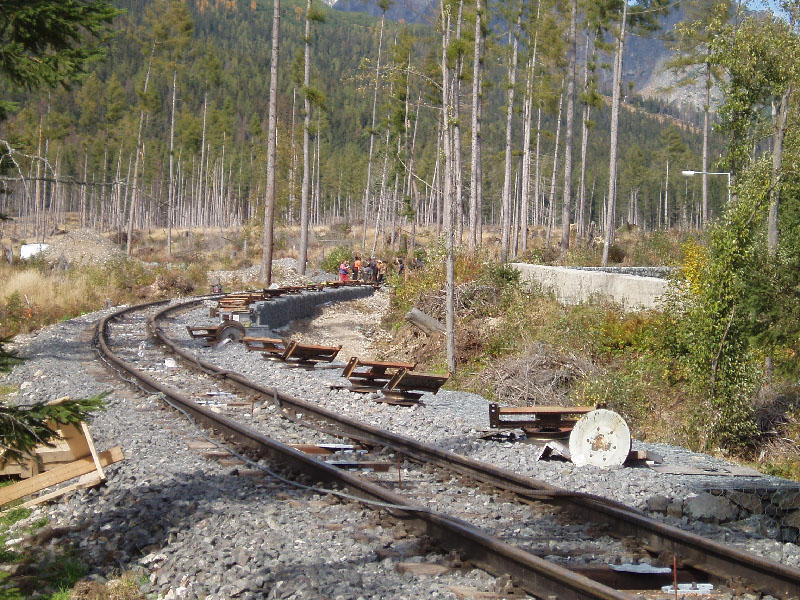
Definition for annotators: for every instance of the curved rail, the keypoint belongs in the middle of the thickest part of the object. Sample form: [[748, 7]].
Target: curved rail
[[723, 562], [535, 575]]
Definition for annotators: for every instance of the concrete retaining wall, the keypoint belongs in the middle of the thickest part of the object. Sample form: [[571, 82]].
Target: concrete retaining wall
[[660, 272], [280, 311], [573, 286]]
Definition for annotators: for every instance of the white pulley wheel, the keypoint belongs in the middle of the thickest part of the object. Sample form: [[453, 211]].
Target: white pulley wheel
[[600, 438]]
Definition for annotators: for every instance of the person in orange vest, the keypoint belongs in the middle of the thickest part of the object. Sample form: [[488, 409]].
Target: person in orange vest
[[356, 268]]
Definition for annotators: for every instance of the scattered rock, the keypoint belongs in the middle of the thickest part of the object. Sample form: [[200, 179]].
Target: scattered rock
[[708, 507]]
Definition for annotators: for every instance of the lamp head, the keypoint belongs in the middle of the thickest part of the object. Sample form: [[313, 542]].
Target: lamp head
[[688, 173]]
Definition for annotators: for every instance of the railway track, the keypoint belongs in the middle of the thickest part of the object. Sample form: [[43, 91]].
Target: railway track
[[495, 553]]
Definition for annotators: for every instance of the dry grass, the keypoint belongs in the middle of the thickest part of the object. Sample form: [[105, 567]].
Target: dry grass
[[29, 284], [30, 298], [124, 588], [540, 374]]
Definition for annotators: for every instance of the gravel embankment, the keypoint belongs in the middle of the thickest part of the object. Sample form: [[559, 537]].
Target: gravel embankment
[[456, 420], [197, 529]]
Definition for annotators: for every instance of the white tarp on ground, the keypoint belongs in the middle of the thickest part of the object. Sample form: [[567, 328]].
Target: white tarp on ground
[[28, 250]]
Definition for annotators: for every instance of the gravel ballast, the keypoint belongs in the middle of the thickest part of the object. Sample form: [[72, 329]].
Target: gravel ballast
[[197, 528]]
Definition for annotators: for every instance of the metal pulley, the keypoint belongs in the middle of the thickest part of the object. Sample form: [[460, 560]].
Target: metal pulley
[[600, 438]]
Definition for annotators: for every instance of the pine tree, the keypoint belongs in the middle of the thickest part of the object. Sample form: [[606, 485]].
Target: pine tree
[[44, 43]]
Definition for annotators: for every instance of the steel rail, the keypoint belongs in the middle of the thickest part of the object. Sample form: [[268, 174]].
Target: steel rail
[[535, 575], [720, 561]]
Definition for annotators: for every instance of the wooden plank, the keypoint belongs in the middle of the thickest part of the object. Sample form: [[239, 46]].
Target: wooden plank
[[75, 437], [93, 450], [27, 468], [92, 481], [58, 475], [58, 453]]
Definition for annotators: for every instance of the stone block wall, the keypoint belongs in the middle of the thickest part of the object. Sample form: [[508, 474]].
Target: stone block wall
[[280, 311], [769, 510]]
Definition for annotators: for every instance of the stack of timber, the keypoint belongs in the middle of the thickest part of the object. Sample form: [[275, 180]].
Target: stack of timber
[[72, 455]]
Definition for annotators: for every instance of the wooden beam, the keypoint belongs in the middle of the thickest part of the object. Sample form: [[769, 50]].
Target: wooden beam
[[58, 475], [88, 480]]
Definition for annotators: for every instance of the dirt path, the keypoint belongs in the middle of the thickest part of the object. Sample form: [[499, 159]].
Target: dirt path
[[356, 325]]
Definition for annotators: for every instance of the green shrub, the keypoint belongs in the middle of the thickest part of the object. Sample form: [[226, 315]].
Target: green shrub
[[335, 257], [616, 253]]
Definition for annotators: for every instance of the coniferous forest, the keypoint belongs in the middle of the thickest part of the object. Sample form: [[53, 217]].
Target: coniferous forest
[[170, 129]]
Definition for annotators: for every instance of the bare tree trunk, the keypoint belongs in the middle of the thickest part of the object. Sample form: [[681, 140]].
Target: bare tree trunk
[[777, 164], [566, 207], [475, 181], [706, 109], [135, 194], [525, 175], [293, 162], [587, 107], [537, 174], [526, 139], [552, 202], [450, 340], [666, 200], [303, 259], [272, 126], [382, 201], [506, 198], [201, 178], [458, 209], [171, 189], [83, 187], [412, 187], [367, 191], [612, 162]]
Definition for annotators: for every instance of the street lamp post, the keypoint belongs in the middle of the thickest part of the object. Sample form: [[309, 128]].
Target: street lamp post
[[693, 173]]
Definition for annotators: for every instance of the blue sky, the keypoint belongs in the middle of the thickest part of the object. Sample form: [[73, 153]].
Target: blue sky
[[765, 4]]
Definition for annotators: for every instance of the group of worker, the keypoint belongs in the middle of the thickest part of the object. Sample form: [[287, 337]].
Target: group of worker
[[370, 271]]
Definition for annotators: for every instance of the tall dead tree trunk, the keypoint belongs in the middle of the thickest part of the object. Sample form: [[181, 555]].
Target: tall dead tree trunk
[[551, 208], [587, 107], [171, 188], [448, 201], [367, 190], [612, 161], [566, 206], [777, 164], [293, 161], [475, 180], [706, 110], [507, 181], [458, 211], [526, 140], [272, 126], [304, 192], [135, 194]]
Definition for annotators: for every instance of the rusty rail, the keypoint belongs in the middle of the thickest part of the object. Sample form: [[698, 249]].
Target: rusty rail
[[723, 562], [533, 574]]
